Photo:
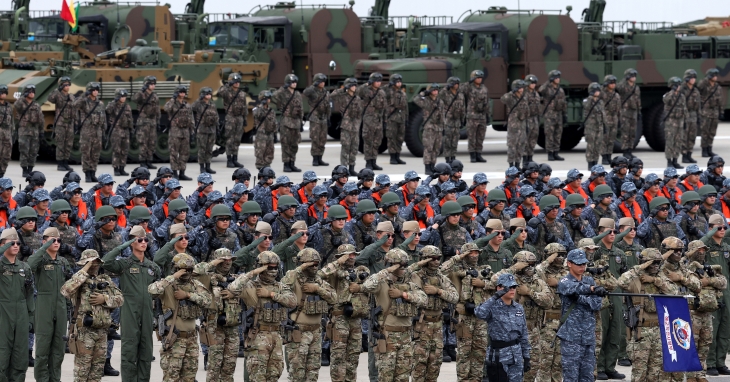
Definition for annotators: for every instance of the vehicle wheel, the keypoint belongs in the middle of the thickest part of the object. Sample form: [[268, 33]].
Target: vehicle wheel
[[571, 137], [106, 153], [76, 150], [653, 131], [414, 133], [133, 153], [162, 150], [637, 138]]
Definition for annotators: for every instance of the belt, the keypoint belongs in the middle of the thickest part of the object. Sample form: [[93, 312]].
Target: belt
[[269, 328], [389, 328], [432, 318], [189, 334], [309, 328], [503, 344], [336, 313]]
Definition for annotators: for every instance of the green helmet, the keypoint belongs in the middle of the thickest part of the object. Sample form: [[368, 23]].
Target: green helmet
[[64, 80], [265, 94], [658, 201], [593, 87], [524, 257], [496, 194], [139, 213], [234, 78], [27, 89], [650, 254], [103, 212], [430, 252], [674, 81], [251, 207], [183, 261], [554, 248], [389, 199], [549, 201], [267, 257], [434, 86], [350, 82], [712, 72], [450, 208], [575, 200], [177, 204], [3, 89], [602, 189], [319, 78], [308, 255], [287, 201], [220, 210], [366, 205], [337, 212], [396, 256], [465, 200], [690, 196], [706, 190], [690, 73], [375, 77], [60, 205], [119, 93], [29, 213]]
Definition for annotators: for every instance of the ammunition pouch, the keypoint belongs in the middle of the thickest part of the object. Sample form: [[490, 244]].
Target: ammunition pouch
[[462, 331], [313, 304], [273, 312]]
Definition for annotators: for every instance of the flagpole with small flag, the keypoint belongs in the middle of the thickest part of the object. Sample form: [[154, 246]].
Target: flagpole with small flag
[[69, 13]]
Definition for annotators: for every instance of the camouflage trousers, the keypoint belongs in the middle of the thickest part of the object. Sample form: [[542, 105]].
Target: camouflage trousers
[[349, 141], [708, 131], [345, 348], [180, 363], [533, 131], [222, 356], [6, 149], [534, 337], [647, 363], [609, 135], [428, 348], [471, 343], [516, 136], [593, 137], [89, 367], [673, 137], [451, 139], [28, 146], [396, 364], [553, 127], [90, 148], [318, 134], [64, 140], [264, 357], [120, 147], [395, 132], [233, 132], [263, 146], [290, 139], [476, 129], [147, 138], [577, 361], [599, 337], [205, 142], [179, 152], [432, 138], [305, 357], [628, 129], [702, 332], [373, 131], [689, 133], [549, 368]]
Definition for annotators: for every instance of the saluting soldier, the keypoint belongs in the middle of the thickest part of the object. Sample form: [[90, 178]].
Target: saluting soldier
[[120, 115], [372, 118], [181, 125], [148, 107], [7, 127], [206, 125], [234, 100], [630, 94], [397, 113], [318, 100], [63, 123], [30, 128], [288, 102]]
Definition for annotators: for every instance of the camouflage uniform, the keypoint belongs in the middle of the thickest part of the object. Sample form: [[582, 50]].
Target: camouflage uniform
[[64, 126], [612, 107], [372, 119], [206, 118], [630, 109], [91, 341], [711, 107], [327, 239], [318, 118], [7, 129], [120, 135], [553, 110], [477, 114], [519, 110], [91, 130], [594, 126], [433, 115], [538, 236], [148, 107], [264, 120], [395, 117], [451, 237], [235, 103], [350, 125], [30, 127], [290, 122], [454, 109], [181, 126], [550, 368], [674, 122], [692, 100], [533, 120]]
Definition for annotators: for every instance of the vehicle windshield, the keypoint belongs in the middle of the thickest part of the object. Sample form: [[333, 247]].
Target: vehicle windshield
[[434, 41], [227, 34]]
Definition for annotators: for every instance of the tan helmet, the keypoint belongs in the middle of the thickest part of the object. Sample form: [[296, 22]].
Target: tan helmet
[[554, 248], [222, 253], [308, 255], [587, 243], [672, 243], [88, 255], [396, 256], [430, 252], [468, 247], [524, 257], [183, 261], [267, 257], [345, 249], [650, 254], [694, 246]]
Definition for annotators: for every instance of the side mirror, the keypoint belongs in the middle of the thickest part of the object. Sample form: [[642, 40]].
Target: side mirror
[[333, 65]]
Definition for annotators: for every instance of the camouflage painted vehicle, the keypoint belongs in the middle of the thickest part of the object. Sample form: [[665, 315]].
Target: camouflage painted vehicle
[[508, 44], [126, 68]]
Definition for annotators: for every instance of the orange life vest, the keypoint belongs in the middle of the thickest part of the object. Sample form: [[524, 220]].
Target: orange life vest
[[122, 221], [4, 214], [429, 215], [311, 211], [347, 209], [580, 191], [405, 195], [677, 194], [690, 187], [82, 214], [97, 199], [303, 195], [627, 213], [520, 208]]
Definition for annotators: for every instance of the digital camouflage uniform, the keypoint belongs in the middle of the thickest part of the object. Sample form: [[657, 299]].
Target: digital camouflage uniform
[[91, 341], [264, 119], [120, 135], [30, 127], [518, 109], [452, 237], [351, 110], [477, 113], [290, 122], [593, 127], [630, 109], [148, 107], [549, 368], [332, 238], [553, 109], [7, 129], [533, 120], [318, 118], [711, 107], [93, 116], [374, 104], [433, 116], [395, 117], [675, 113], [64, 123], [693, 101], [181, 126], [454, 112], [235, 103], [612, 107], [206, 118]]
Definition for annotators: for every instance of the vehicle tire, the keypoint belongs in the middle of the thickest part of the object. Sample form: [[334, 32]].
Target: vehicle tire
[[332, 130], [653, 131], [571, 137], [637, 138], [133, 153], [76, 150], [414, 133], [162, 149]]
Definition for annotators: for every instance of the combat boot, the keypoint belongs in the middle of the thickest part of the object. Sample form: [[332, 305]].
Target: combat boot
[[676, 164], [705, 152], [25, 171], [325, 357], [93, 176], [314, 161], [627, 154], [558, 157], [397, 158], [529, 158], [624, 362], [220, 150], [183, 177], [87, 177], [368, 164], [393, 160], [352, 171], [235, 161], [241, 353], [551, 157], [445, 356], [591, 164], [60, 166], [287, 168], [524, 159], [116, 171], [511, 164], [202, 168], [452, 351], [473, 157], [174, 174], [712, 371], [208, 169], [321, 163], [294, 168], [65, 164], [615, 375], [229, 162], [429, 169], [150, 165], [109, 370], [601, 376], [479, 158], [606, 159], [122, 172], [31, 360], [709, 151], [375, 165], [689, 158], [723, 370], [517, 164]]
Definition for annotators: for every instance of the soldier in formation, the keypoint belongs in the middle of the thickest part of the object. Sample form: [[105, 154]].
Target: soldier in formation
[[478, 116], [148, 121], [288, 102], [433, 124], [396, 115], [351, 108], [517, 103], [533, 119], [181, 127], [554, 113], [205, 116], [234, 100], [120, 116], [30, 128], [7, 128], [63, 124], [630, 93], [318, 100], [710, 110], [675, 113]]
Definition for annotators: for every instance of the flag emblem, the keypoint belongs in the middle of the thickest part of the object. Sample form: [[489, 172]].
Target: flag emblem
[[682, 333]]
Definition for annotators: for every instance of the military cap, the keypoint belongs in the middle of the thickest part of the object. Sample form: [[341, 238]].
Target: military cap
[[300, 224], [41, 195], [495, 224], [137, 190], [423, 190], [573, 175], [385, 226], [382, 179], [239, 189], [283, 180], [658, 201], [263, 227], [693, 169], [411, 226], [9, 233], [670, 172], [587, 243], [105, 179], [88, 255], [607, 223], [205, 178], [345, 249], [527, 190], [309, 176], [349, 187], [512, 172], [6, 183], [173, 184], [518, 222], [506, 280], [73, 186], [137, 231], [117, 201], [577, 256], [319, 190], [694, 246], [51, 232], [651, 178], [628, 187], [178, 228], [716, 219], [215, 196], [598, 170], [554, 183], [626, 222], [448, 187], [411, 175], [480, 178]]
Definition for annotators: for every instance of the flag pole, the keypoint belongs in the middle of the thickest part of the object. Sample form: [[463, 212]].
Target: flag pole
[[689, 296]]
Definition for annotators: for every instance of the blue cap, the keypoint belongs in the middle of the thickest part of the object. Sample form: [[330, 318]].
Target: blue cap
[[282, 180], [480, 178], [349, 187], [319, 190], [651, 178], [670, 172], [506, 280], [41, 195], [423, 190], [117, 201], [447, 186], [239, 189], [382, 179], [137, 190], [577, 256], [215, 196], [6, 183], [309, 176], [573, 174], [628, 187], [554, 183], [598, 169], [527, 190], [73, 186], [693, 169], [205, 178], [105, 179], [512, 171], [411, 175], [173, 184]]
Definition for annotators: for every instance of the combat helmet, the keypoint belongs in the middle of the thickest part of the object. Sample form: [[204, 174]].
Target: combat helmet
[[241, 174], [60, 205], [650, 254], [220, 210], [183, 261], [690, 73], [517, 85], [496, 195], [375, 77], [442, 168], [234, 78], [350, 82], [30, 88], [690, 196], [575, 200], [714, 162], [150, 80], [395, 78], [476, 74], [222, 253], [450, 208], [430, 252], [388, 199], [287, 201], [531, 79], [318, 79], [340, 171], [88, 255], [593, 87], [337, 212], [396, 256], [548, 202], [177, 204], [553, 75], [102, 212], [65, 80], [267, 257], [672, 242], [264, 95], [139, 213], [712, 72], [119, 93], [434, 86], [180, 89], [465, 200], [366, 174], [308, 255], [93, 86], [555, 248], [250, 207], [674, 81], [290, 79], [3, 89], [452, 81], [205, 91], [630, 72], [693, 247], [524, 257], [365, 206]]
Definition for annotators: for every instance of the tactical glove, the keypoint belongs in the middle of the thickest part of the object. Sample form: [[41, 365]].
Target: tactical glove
[[25, 251], [214, 243], [527, 366], [600, 291], [533, 223], [271, 216]]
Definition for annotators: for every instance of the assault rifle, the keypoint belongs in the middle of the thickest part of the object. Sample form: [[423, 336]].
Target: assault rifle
[[161, 318], [373, 325]]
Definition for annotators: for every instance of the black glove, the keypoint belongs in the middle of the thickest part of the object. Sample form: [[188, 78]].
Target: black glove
[[72, 217], [4, 206], [449, 252], [336, 241], [166, 194], [692, 230], [700, 271], [469, 307], [157, 179], [172, 215], [202, 187], [527, 366], [575, 224], [421, 215], [533, 223], [417, 199], [54, 216], [202, 200], [269, 218], [498, 294], [214, 243], [25, 251], [65, 250], [439, 219], [96, 187], [710, 271], [209, 223], [367, 239], [247, 237], [600, 291], [518, 200], [527, 214], [550, 238]]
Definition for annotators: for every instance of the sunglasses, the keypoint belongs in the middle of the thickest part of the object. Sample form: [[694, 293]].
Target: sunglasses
[[141, 196], [108, 184], [414, 233], [403, 265], [340, 219], [305, 233], [224, 219], [76, 192], [720, 228], [143, 240], [711, 195], [257, 215], [354, 193], [452, 215], [513, 287], [269, 237], [691, 204], [166, 176], [273, 266], [143, 179], [451, 191], [501, 233], [467, 207], [12, 243], [664, 209], [110, 219], [184, 237], [632, 229]]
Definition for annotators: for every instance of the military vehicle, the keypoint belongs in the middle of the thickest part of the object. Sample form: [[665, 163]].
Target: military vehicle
[[509, 44]]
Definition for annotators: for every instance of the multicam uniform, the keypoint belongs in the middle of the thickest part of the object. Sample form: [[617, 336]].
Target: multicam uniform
[[701, 308], [206, 119], [64, 126], [120, 117], [549, 368], [30, 126], [148, 107], [181, 126]]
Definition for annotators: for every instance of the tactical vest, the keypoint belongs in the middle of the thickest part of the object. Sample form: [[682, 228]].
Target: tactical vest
[[400, 307], [533, 311], [224, 312], [101, 317], [360, 302], [659, 232], [267, 310], [434, 302], [475, 295], [309, 304], [187, 309], [647, 315], [707, 300]]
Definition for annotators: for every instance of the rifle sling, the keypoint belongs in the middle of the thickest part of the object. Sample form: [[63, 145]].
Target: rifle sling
[[710, 96], [5, 114], [670, 110], [89, 114], [262, 120], [172, 327], [370, 100], [347, 107], [28, 108], [633, 90], [316, 105], [119, 115], [201, 116], [551, 100], [515, 106], [287, 103], [68, 100], [450, 104], [430, 115]]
